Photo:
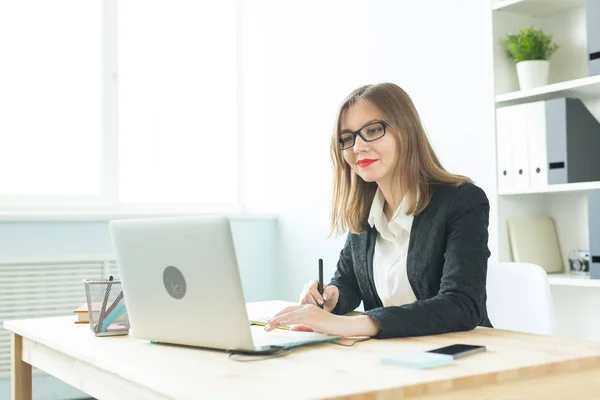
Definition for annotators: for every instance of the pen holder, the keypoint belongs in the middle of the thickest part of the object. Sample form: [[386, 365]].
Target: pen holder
[[106, 308]]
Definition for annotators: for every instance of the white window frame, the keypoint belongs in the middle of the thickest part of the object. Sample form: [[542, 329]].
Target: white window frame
[[106, 205]]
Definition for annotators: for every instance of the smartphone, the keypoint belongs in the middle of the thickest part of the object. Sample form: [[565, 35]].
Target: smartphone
[[458, 350]]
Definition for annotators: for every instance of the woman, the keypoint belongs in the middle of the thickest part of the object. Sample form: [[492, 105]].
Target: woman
[[417, 252]]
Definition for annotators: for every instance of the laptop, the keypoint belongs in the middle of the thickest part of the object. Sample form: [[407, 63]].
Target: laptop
[[181, 285]]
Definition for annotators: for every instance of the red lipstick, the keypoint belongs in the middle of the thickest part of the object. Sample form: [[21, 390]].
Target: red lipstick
[[365, 162]]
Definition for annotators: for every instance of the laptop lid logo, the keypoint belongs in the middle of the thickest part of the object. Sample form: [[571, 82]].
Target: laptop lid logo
[[174, 282]]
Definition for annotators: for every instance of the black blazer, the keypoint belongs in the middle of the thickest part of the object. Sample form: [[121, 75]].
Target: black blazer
[[446, 267]]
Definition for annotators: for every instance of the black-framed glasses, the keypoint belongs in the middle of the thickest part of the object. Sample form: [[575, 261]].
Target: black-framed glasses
[[368, 133]]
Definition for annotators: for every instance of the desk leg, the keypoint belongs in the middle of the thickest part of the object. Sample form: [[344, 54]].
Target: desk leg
[[20, 378]]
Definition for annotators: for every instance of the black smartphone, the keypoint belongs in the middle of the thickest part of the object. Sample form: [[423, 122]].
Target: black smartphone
[[458, 350]]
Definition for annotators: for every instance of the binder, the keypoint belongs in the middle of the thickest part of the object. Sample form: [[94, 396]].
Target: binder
[[536, 136], [519, 146], [572, 142], [592, 24], [512, 147], [547, 142], [505, 175], [556, 142], [593, 198]]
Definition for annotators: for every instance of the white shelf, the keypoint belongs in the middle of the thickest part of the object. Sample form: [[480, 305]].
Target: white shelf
[[534, 8], [572, 280], [583, 88], [566, 187]]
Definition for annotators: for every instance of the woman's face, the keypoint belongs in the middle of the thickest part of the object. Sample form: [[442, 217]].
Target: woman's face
[[373, 161]]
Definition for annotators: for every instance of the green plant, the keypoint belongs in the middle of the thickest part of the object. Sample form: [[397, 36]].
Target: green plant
[[530, 44]]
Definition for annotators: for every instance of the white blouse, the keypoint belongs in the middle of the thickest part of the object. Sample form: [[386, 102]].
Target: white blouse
[[391, 249]]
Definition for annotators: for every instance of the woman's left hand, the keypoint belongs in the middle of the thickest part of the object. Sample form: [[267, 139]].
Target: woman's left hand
[[308, 317]]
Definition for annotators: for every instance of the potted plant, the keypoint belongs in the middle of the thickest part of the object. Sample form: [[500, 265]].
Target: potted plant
[[531, 49]]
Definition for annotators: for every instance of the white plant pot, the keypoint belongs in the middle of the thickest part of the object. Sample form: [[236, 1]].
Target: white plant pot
[[533, 73]]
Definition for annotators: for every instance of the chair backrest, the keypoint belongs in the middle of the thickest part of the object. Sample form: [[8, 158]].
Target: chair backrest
[[519, 298]]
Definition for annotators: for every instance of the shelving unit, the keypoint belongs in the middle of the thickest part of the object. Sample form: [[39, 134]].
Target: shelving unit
[[573, 280], [575, 297], [587, 88], [568, 187], [565, 21], [535, 8]]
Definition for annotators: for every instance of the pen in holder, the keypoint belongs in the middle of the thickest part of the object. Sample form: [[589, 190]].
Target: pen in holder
[[106, 307]]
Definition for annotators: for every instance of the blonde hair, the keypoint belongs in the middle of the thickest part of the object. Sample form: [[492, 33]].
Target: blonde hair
[[416, 170]]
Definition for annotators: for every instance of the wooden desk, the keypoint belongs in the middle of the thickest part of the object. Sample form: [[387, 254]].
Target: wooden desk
[[516, 366]]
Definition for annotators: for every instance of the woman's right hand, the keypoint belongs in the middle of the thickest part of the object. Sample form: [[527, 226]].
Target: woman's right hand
[[310, 295]]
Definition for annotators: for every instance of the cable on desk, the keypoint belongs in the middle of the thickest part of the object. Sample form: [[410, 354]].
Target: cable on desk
[[284, 352], [248, 357], [353, 343]]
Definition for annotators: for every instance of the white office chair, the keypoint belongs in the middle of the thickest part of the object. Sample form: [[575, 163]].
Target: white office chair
[[519, 298]]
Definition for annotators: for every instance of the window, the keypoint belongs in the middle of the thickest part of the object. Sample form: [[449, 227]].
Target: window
[[113, 104], [50, 99], [177, 101]]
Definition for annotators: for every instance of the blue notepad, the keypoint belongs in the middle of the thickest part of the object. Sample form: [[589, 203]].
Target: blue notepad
[[418, 359]]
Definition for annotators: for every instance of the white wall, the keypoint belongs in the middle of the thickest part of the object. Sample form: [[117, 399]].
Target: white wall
[[301, 58]]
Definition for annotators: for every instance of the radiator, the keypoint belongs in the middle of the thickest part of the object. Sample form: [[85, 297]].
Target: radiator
[[32, 288]]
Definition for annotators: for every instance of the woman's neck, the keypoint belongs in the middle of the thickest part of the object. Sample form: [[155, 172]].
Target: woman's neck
[[390, 207]]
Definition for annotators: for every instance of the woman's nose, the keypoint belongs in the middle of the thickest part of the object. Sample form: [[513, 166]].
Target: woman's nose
[[360, 145]]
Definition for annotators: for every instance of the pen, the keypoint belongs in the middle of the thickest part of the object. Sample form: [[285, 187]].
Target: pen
[[102, 315], [320, 286], [112, 316]]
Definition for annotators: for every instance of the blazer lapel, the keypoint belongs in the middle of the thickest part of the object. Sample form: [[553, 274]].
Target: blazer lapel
[[371, 239], [410, 256]]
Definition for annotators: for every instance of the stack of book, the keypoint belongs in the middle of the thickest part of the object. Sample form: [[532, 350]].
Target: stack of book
[[83, 314]]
